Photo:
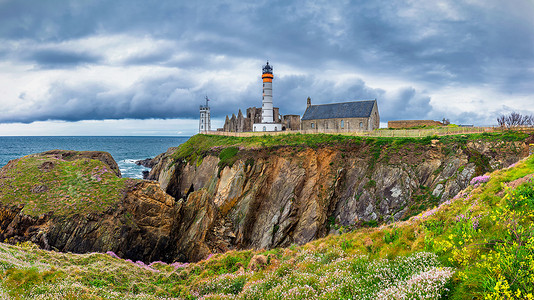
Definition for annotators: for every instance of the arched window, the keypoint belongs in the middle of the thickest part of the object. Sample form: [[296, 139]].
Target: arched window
[[361, 124], [264, 129], [312, 125], [342, 124]]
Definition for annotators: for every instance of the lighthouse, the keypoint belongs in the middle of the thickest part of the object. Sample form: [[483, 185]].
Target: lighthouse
[[267, 118]]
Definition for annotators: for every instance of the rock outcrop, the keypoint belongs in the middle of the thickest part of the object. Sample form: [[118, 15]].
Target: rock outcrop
[[141, 225], [69, 155], [285, 195]]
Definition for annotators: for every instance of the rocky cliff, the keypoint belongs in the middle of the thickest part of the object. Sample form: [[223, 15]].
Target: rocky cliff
[[277, 196], [75, 202], [213, 194]]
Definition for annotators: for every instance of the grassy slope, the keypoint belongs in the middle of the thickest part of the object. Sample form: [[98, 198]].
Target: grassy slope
[[47, 184], [485, 234]]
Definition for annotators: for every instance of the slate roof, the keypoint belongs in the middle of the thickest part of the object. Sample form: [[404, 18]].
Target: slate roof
[[357, 109]]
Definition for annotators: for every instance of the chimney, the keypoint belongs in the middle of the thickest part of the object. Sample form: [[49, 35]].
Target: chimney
[[308, 102]]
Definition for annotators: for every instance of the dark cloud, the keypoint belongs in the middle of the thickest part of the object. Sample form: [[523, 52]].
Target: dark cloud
[[290, 92], [61, 58], [154, 97], [158, 57], [405, 104], [435, 45]]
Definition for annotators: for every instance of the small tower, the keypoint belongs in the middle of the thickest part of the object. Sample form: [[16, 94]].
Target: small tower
[[267, 112], [205, 121]]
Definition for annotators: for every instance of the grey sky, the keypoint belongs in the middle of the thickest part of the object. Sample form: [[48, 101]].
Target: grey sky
[[125, 63]]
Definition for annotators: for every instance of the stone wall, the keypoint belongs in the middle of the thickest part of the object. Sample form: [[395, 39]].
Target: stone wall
[[291, 122], [412, 123], [348, 124]]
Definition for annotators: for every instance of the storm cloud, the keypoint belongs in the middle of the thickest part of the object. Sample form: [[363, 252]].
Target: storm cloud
[[71, 60]]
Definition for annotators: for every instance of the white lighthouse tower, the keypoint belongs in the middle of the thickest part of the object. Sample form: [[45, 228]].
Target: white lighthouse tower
[[205, 121], [267, 118]]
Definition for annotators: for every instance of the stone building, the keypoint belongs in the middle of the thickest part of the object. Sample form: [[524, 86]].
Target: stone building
[[414, 123], [346, 116], [241, 123], [291, 122]]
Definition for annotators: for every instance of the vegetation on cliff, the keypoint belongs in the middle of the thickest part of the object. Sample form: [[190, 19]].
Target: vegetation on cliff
[[478, 245], [201, 145], [46, 183]]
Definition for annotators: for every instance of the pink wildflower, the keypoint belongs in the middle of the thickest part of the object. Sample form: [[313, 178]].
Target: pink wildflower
[[480, 179]]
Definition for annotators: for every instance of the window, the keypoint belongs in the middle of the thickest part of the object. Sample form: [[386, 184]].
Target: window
[[264, 129], [342, 124], [201, 126], [361, 124], [312, 125], [325, 125], [202, 115]]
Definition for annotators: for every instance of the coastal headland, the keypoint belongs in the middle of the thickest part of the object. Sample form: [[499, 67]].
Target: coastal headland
[[246, 199]]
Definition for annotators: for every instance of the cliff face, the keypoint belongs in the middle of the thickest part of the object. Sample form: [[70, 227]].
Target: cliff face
[[277, 197], [223, 200]]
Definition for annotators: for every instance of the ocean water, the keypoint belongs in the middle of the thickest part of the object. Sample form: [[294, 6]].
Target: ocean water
[[124, 149]]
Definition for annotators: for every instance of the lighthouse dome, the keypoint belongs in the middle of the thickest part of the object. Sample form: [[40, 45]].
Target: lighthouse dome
[[267, 69]]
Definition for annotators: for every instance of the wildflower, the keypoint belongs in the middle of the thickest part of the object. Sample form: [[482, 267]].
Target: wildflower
[[479, 180], [112, 254]]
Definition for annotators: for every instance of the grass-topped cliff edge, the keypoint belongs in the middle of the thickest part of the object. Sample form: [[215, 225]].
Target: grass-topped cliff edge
[[62, 182], [201, 145]]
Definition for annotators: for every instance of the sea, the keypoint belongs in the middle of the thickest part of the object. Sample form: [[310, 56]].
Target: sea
[[126, 150]]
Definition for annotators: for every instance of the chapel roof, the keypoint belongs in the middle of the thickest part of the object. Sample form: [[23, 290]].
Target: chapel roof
[[356, 109]]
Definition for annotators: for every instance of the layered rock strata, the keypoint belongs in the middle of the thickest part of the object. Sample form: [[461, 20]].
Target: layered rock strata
[[278, 197]]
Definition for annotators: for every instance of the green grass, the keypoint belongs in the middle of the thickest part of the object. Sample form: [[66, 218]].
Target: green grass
[[68, 187], [323, 272], [227, 157], [200, 145]]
